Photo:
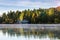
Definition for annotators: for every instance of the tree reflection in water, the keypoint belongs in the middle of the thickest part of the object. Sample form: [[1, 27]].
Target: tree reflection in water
[[31, 32]]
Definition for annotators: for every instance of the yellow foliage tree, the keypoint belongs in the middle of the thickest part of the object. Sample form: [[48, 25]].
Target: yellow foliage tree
[[51, 11], [21, 16]]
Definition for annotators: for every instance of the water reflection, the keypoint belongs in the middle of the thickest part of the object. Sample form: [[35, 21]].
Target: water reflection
[[36, 33]]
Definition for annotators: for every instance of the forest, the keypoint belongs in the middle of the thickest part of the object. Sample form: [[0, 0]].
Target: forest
[[35, 16]]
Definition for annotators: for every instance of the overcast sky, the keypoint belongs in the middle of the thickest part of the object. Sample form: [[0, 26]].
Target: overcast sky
[[6, 5]]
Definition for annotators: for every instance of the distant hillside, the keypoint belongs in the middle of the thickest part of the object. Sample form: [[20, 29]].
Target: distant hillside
[[35, 16], [58, 8]]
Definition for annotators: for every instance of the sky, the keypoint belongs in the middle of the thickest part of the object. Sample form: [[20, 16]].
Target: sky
[[6, 5]]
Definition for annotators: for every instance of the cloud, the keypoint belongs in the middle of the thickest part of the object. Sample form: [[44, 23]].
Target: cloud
[[6, 5], [26, 3], [58, 2]]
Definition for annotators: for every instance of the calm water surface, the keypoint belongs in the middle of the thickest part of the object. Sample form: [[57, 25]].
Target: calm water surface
[[28, 34]]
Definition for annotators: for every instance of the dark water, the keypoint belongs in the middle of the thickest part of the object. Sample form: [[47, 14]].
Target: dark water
[[28, 34]]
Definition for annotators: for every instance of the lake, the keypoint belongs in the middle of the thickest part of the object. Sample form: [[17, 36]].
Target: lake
[[29, 32]]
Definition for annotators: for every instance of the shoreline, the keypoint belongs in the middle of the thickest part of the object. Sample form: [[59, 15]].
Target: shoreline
[[32, 26]]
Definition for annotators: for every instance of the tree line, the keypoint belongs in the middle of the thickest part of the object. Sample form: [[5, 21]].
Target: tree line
[[35, 16]]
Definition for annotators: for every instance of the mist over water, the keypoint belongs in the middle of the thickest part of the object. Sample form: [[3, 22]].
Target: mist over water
[[29, 32]]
